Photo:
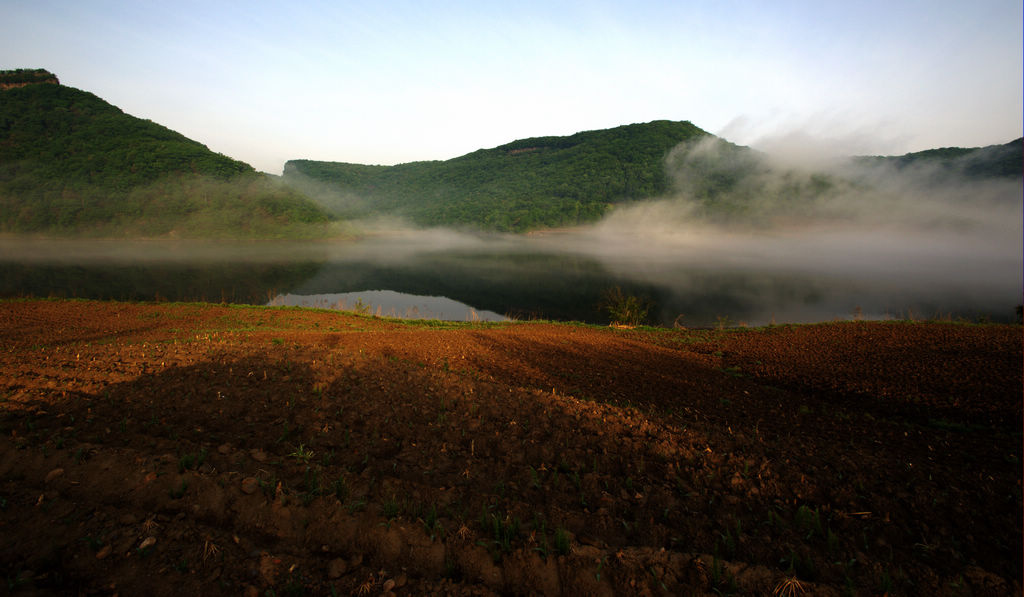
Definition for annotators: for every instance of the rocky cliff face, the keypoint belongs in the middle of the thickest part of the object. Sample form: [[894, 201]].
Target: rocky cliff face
[[26, 76]]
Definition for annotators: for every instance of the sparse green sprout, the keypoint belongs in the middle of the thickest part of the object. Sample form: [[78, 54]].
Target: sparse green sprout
[[192, 460], [534, 478], [341, 489], [562, 543], [432, 522], [302, 454], [808, 520], [179, 491], [503, 530], [311, 484]]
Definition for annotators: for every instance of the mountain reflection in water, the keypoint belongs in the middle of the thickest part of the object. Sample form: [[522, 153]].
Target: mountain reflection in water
[[693, 281]]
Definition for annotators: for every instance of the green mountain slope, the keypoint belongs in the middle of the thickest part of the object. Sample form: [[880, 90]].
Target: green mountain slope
[[993, 161], [530, 183], [72, 163], [557, 181]]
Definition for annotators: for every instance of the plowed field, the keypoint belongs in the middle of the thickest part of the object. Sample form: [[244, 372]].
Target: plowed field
[[173, 449]]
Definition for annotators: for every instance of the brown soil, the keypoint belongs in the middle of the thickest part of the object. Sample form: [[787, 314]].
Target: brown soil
[[168, 449]]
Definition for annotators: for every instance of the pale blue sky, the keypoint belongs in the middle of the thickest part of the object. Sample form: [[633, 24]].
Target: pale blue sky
[[390, 82]]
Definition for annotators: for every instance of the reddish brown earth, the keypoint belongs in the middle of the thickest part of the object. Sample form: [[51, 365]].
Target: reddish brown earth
[[167, 449]]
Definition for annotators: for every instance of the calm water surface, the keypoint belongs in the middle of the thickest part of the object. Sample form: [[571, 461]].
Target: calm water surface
[[695, 280]]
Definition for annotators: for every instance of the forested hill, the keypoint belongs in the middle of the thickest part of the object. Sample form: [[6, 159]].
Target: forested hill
[[26, 76], [527, 184], [993, 161], [71, 163], [559, 181]]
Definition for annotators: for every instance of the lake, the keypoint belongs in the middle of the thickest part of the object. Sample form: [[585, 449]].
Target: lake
[[694, 278]]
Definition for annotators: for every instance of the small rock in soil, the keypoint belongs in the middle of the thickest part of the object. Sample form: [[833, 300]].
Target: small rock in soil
[[50, 476], [337, 568], [250, 485]]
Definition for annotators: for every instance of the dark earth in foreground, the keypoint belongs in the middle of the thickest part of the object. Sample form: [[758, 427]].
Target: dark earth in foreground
[[177, 449]]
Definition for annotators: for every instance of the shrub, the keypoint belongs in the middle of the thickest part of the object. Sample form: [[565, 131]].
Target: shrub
[[624, 309]]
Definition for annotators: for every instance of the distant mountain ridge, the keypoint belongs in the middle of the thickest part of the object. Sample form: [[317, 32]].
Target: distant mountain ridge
[[526, 184], [993, 161], [71, 163], [545, 182]]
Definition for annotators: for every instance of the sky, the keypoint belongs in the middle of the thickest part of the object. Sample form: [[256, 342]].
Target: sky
[[388, 82]]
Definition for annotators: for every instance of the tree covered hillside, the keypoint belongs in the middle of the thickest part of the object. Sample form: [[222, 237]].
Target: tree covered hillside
[[527, 184], [26, 76], [558, 181], [994, 161], [72, 163]]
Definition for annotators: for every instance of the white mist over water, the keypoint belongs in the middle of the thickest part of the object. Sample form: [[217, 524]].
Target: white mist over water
[[800, 245], [701, 273], [855, 234], [869, 221]]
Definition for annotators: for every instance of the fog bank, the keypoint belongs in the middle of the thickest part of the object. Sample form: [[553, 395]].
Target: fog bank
[[734, 207]]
